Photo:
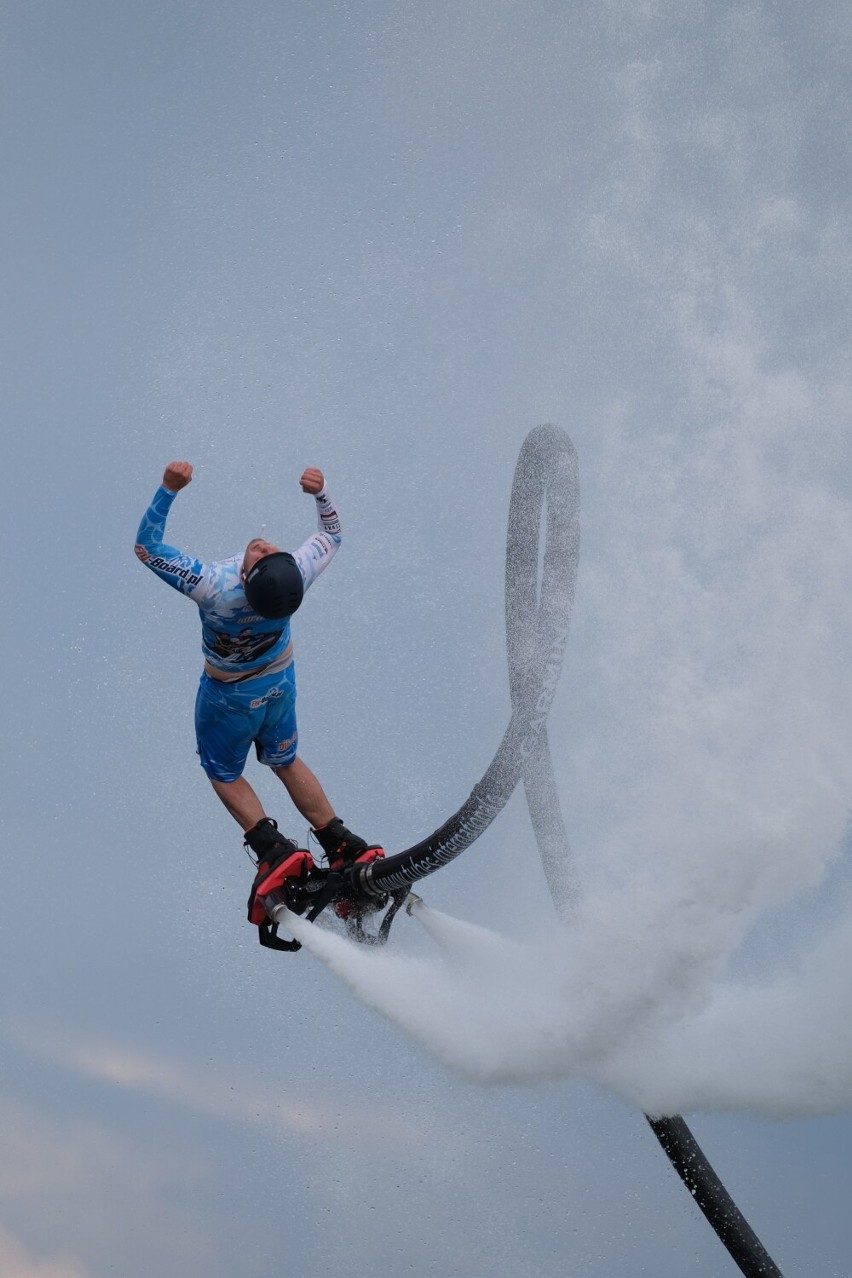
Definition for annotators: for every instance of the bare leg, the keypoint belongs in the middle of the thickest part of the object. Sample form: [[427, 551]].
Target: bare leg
[[306, 793], [240, 800]]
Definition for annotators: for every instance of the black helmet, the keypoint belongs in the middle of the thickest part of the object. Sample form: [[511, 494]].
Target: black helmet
[[274, 585]]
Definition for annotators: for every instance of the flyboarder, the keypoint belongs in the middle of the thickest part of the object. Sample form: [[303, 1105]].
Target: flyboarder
[[247, 692]]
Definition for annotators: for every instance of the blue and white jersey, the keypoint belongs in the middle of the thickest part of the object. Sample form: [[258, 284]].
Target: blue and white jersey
[[236, 642]]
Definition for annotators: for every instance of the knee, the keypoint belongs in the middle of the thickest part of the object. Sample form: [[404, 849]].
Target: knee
[[222, 783]]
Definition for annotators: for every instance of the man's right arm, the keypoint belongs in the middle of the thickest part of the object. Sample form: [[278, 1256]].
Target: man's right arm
[[177, 569]]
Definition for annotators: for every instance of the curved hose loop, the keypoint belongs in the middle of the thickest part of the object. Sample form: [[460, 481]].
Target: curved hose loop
[[537, 624], [546, 483], [546, 488]]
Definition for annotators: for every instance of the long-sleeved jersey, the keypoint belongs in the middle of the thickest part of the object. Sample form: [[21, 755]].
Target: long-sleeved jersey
[[236, 642]]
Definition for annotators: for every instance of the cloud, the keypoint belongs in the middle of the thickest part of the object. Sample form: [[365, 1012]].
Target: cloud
[[79, 1185], [17, 1262], [203, 1091]]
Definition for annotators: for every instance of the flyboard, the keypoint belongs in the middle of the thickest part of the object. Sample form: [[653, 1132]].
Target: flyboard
[[537, 619]]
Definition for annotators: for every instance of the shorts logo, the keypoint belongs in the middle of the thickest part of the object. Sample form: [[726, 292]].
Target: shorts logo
[[285, 745], [267, 696]]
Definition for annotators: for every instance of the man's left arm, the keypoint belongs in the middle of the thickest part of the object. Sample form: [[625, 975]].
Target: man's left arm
[[314, 555]]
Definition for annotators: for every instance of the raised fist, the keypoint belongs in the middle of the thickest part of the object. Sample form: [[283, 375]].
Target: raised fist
[[312, 481], [176, 476]]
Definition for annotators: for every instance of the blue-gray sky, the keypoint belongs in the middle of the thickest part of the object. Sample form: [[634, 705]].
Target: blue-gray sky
[[387, 239]]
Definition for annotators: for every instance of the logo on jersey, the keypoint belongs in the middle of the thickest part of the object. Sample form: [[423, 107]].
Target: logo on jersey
[[245, 646], [172, 567]]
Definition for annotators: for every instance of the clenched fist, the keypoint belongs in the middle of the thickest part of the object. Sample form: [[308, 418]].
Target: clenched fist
[[312, 481], [176, 476]]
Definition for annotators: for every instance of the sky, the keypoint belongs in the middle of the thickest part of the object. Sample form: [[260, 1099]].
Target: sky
[[388, 239]]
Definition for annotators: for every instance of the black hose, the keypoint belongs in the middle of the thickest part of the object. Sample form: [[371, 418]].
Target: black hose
[[546, 481], [690, 1162]]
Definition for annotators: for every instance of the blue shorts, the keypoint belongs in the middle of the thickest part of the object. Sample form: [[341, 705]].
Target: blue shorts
[[231, 717]]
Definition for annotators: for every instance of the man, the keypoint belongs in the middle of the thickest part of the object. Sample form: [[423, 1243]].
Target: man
[[247, 693]]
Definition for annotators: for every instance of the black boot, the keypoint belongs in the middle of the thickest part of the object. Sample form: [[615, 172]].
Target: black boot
[[342, 847], [271, 849], [267, 843]]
